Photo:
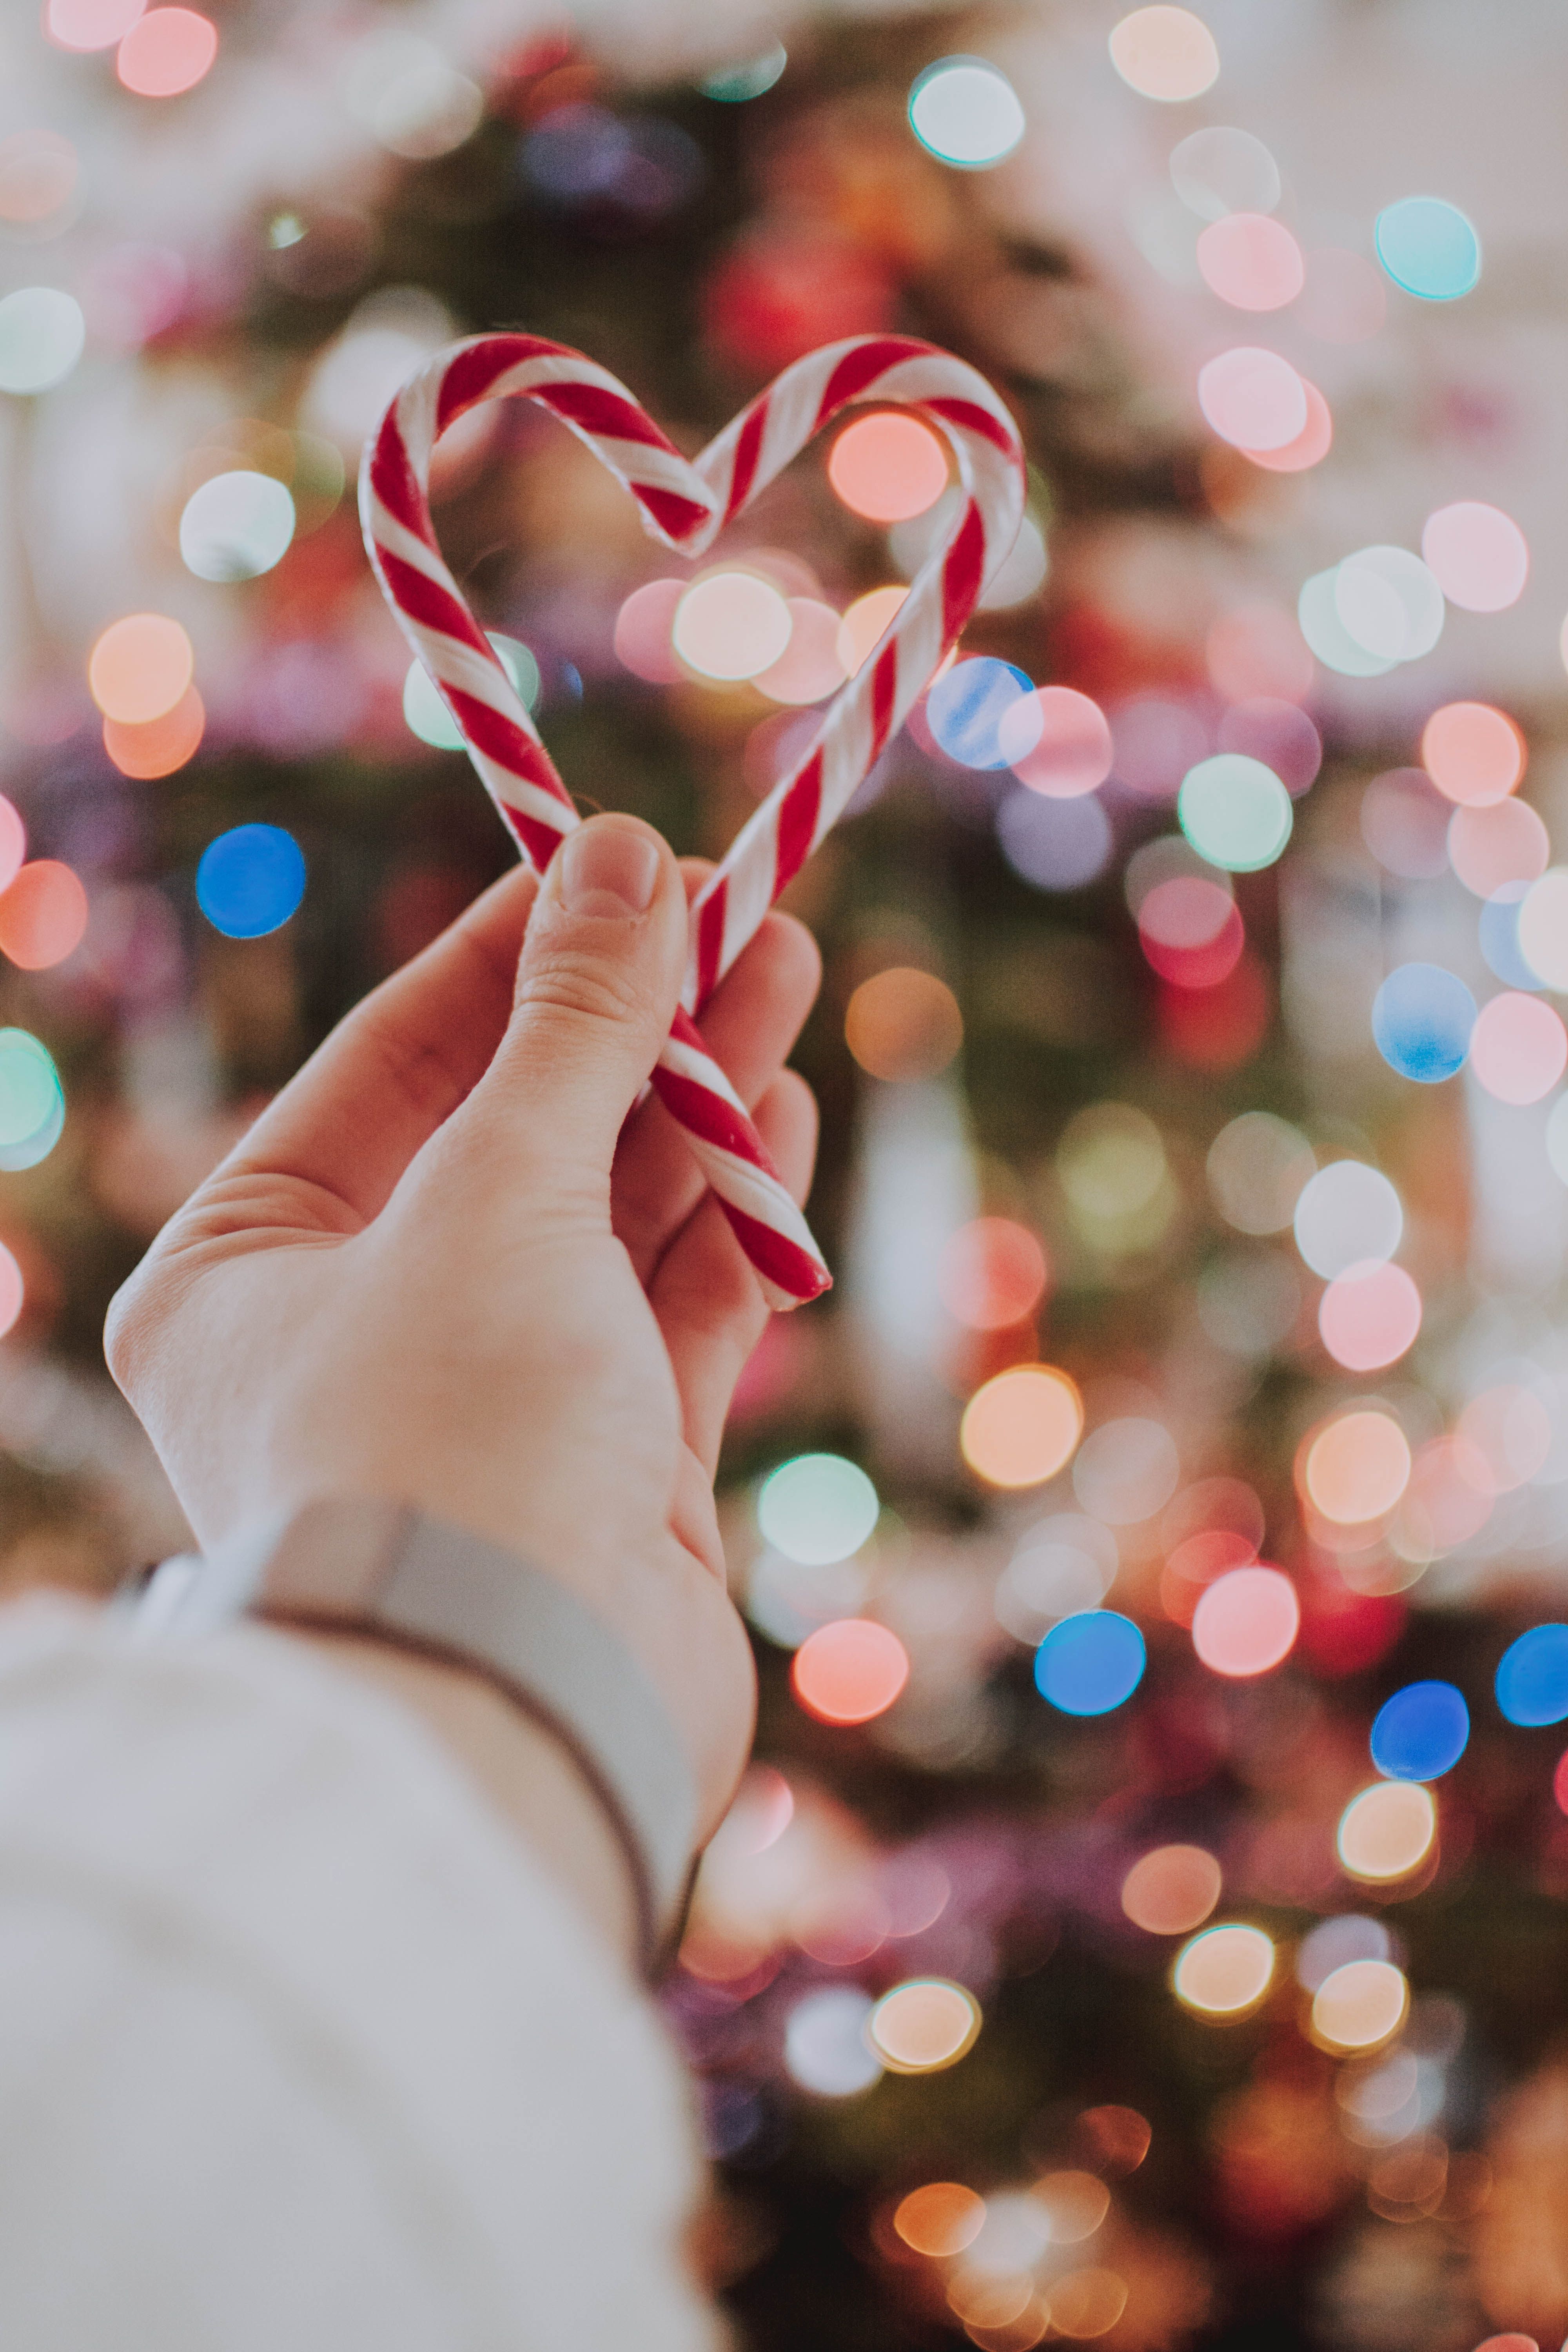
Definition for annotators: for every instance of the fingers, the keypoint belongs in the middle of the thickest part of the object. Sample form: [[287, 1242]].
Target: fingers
[[401, 1062], [705, 1294], [597, 987], [751, 1025]]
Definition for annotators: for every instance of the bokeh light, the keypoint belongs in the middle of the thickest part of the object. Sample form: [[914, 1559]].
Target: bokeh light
[[1056, 844], [91, 24], [1422, 1021], [139, 667], [1166, 53], [42, 332], [1388, 603], [32, 1100], [1224, 1971], [733, 85], [1347, 1214], [818, 1508], [1360, 2005], [1251, 262], [1478, 555], [1369, 1317], [1489, 847], [1428, 247], [993, 1273], [849, 1671], [1127, 1470], [1235, 811], [826, 2047], [1268, 729], [1257, 1166], [13, 1291], [1221, 170], [13, 843], [1056, 740], [1247, 1622], [966, 111], [1021, 1426], [809, 666], [1064, 1564], [166, 51], [923, 2025], [864, 625], [966, 705], [1346, 298], [1310, 446], [1512, 1430], [1519, 1049], [1172, 1890], [1533, 1677], [1357, 1467], [645, 632], [1405, 823], [1092, 1663], [1191, 931], [411, 100], [43, 915], [1421, 1732], [903, 1023], [940, 2219], [237, 526], [1333, 1943], [1387, 1832], [731, 624], [1473, 753], [1317, 610], [40, 172], [1544, 927], [157, 747], [426, 715], [887, 467], [1253, 398], [1258, 649], [250, 880]]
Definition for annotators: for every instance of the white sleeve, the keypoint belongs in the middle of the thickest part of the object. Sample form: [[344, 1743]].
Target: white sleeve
[[298, 2047]]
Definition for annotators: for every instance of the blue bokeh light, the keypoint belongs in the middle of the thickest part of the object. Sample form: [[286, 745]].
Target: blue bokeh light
[[1421, 1732], [1091, 1663], [1499, 931], [1421, 1020], [250, 881], [1428, 247], [1533, 1678], [964, 708]]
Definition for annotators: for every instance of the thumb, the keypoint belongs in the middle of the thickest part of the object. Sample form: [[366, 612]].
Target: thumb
[[597, 986]]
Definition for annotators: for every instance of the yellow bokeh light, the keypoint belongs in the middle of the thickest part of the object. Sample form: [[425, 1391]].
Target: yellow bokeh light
[[1360, 2005], [1387, 1832], [1357, 1467], [923, 2025], [1223, 1971], [1019, 1428], [864, 624]]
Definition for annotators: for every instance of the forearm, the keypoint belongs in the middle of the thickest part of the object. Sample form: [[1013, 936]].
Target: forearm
[[521, 1767]]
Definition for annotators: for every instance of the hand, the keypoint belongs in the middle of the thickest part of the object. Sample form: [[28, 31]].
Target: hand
[[446, 1266]]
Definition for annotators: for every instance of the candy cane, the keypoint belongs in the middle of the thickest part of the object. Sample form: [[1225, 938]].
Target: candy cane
[[685, 504]]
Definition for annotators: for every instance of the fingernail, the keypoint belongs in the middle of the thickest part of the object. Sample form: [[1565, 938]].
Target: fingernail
[[608, 869]]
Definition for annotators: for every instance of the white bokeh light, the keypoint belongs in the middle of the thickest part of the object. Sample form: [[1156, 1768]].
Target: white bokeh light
[[966, 111], [1348, 1215], [237, 526]]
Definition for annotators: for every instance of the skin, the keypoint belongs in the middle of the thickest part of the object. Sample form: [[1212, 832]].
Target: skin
[[455, 1263]]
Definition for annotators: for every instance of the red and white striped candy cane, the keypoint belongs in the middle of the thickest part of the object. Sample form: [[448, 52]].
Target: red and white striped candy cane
[[686, 504]]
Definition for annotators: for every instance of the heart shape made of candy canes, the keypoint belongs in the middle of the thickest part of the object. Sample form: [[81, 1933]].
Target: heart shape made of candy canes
[[685, 503]]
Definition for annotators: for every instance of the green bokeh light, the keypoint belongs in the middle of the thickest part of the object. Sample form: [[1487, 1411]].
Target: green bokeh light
[[1235, 811]]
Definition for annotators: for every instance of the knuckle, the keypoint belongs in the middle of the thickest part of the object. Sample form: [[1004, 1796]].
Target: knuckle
[[583, 991], [129, 1328]]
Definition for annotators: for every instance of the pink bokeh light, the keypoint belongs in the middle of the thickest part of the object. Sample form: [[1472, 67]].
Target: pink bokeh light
[[1253, 398], [1369, 1317], [1057, 741], [1518, 1048], [1479, 555], [1247, 1622], [1251, 261]]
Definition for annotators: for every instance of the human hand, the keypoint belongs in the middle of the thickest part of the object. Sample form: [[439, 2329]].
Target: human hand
[[444, 1265]]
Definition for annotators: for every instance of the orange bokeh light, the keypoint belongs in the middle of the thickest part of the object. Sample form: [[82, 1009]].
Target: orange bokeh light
[[940, 2219], [903, 1023], [849, 1671], [158, 746], [1387, 1830], [1356, 1468], [993, 1273], [139, 667], [43, 914], [1172, 1890], [1021, 1427], [923, 2025], [1473, 753], [166, 51], [887, 467]]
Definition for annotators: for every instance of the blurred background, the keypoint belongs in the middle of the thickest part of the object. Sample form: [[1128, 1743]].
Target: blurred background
[[1143, 1922]]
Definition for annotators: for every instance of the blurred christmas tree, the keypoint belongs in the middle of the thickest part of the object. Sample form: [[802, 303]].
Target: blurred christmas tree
[[1066, 1969]]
